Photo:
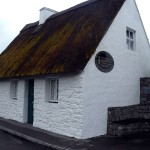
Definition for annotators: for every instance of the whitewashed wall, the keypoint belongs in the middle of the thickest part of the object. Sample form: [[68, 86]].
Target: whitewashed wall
[[11, 108], [121, 86], [66, 116]]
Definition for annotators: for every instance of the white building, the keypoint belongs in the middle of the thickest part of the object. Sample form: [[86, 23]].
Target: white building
[[63, 74]]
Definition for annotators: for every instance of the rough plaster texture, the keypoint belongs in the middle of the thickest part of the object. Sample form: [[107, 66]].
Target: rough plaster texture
[[66, 116], [120, 87], [11, 108]]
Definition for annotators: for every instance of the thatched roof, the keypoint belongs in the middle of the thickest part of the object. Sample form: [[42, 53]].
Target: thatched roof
[[63, 44]]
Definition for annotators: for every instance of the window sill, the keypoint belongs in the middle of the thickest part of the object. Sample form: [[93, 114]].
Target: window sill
[[131, 50], [53, 102]]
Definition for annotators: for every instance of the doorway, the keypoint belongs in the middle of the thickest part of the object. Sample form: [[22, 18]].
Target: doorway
[[30, 101]]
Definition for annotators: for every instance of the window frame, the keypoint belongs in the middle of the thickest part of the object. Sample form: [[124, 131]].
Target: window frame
[[130, 39], [52, 85], [14, 89]]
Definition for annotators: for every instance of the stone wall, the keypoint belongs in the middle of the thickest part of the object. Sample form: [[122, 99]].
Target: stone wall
[[128, 120], [131, 119], [145, 91], [11, 108], [66, 116]]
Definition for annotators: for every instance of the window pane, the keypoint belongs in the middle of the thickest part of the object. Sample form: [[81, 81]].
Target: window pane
[[131, 45], [130, 39], [131, 34], [52, 89], [14, 90], [127, 44], [127, 33]]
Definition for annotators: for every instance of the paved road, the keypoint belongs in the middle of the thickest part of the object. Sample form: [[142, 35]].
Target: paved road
[[140, 142], [10, 142], [136, 142]]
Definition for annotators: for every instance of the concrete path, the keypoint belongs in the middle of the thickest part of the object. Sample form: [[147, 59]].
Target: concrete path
[[11, 142], [59, 142]]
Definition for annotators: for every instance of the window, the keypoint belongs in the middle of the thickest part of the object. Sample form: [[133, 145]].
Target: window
[[14, 86], [130, 39], [52, 90]]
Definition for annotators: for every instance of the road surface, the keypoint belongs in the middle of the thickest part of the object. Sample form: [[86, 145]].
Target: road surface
[[11, 142]]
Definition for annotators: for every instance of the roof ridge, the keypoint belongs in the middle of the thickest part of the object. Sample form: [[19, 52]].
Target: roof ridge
[[72, 8], [29, 25], [59, 13]]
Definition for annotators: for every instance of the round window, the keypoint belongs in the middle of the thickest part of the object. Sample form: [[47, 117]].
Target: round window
[[104, 61]]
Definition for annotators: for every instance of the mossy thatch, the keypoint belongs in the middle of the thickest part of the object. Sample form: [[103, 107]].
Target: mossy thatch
[[63, 44]]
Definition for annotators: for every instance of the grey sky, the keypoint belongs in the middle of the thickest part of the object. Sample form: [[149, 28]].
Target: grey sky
[[14, 14]]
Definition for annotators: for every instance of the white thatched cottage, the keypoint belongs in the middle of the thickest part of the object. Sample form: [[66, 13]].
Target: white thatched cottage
[[62, 74]]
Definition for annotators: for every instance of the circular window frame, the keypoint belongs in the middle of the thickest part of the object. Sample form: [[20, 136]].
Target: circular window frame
[[103, 68]]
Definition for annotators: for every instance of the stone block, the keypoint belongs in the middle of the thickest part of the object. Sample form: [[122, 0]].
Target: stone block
[[110, 131], [145, 90], [146, 115], [134, 115]]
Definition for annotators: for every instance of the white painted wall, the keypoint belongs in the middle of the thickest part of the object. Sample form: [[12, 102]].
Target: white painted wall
[[121, 86], [11, 108], [66, 116]]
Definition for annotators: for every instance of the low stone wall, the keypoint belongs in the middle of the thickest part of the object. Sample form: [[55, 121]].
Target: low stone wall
[[132, 128], [128, 112], [131, 119], [128, 120], [145, 91]]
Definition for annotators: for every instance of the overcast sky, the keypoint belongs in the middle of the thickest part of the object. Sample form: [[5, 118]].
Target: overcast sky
[[14, 14]]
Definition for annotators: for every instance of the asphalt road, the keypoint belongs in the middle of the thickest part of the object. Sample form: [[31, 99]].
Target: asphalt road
[[138, 142], [135, 142], [10, 142]]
